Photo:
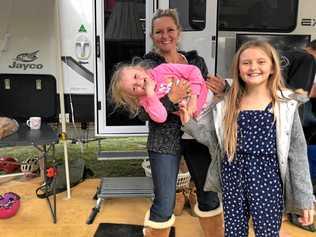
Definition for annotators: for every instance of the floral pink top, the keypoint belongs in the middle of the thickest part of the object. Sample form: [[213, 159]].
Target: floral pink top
[[161, 75]]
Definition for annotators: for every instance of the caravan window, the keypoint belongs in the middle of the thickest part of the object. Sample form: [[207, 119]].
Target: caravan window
[[258, 15], [191, 13]]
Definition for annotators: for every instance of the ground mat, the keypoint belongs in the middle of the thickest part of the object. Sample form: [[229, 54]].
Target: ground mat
[[122, 230]]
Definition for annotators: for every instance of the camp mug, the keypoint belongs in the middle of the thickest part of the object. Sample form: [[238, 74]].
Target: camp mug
[[34, 122]]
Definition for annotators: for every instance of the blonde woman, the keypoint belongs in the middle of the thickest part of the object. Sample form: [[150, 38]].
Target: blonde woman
[[166, 138]]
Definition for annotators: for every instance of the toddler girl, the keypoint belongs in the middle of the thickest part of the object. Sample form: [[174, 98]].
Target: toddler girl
[[134, 86]]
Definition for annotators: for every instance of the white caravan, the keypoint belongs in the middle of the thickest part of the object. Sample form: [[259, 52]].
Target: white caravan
[[95, 35]]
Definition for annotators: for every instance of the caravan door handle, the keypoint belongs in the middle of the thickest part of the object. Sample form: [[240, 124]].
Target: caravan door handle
[[213, 46], [143, 24], [97, 46]]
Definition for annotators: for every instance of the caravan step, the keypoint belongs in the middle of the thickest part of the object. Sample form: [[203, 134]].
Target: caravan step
[[126, 187], [122, 155]]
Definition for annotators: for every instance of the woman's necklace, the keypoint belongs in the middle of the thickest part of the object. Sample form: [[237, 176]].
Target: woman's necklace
[[183, 59], [180, 59]]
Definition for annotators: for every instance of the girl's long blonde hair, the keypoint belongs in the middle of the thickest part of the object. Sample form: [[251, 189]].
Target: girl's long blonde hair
[[238, 89]]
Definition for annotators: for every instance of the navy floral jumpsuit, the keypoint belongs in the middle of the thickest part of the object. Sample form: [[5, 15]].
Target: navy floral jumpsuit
[[251, 182]]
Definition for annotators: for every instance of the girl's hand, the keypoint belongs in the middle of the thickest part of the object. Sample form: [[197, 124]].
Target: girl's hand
[[150, 86], [307, 218], [192, 105], [179, 90], [216, 84], [183, 112]]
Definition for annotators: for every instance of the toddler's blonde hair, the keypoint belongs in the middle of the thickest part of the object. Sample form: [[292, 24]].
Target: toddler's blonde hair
[[119, 97]]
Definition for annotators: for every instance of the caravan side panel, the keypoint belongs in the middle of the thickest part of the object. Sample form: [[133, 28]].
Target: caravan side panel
[[27, 37]]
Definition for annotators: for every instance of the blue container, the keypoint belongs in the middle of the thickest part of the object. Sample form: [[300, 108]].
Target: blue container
[[311, 151]]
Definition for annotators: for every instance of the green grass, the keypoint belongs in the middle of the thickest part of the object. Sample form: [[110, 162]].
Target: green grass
[[88, 152]]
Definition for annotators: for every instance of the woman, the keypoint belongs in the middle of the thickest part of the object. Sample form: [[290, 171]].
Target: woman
[[165, 34]]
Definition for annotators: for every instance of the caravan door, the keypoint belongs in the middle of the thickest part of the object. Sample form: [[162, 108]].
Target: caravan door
[[120, 36], [123, 32]]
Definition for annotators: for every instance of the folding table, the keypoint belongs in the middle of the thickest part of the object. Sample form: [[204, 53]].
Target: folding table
[[43, 140]]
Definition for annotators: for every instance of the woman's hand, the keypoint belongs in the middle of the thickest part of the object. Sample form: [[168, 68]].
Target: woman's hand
[[180, 89], [216, 84], [307, 218]]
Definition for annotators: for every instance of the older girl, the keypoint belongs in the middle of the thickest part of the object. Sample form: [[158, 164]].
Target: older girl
[[261, 163]]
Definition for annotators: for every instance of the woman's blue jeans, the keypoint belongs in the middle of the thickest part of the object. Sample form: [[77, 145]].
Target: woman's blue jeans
[[164, 171]]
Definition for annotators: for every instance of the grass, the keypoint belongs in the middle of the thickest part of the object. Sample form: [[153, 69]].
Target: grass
[[88, 152]]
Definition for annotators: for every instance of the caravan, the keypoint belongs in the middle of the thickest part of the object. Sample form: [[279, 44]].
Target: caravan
[[79, 46]]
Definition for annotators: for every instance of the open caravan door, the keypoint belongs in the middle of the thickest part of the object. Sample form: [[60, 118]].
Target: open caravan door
[[120, 36], [123, 32]]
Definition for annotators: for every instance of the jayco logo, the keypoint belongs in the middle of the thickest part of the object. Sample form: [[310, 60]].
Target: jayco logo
[[26, 59]]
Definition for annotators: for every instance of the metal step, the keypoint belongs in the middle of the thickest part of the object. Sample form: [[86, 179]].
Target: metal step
[[122, 155], [126, 187]]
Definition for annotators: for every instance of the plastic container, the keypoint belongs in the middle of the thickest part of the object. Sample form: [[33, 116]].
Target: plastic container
[[9, 205]]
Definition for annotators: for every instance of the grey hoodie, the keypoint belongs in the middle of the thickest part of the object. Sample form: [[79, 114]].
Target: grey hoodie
[[291, 151]]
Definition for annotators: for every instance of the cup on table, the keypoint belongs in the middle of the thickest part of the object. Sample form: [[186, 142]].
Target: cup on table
[[34, 122]]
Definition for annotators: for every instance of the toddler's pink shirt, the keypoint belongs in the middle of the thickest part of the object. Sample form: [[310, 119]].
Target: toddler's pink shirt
[[161, 75]]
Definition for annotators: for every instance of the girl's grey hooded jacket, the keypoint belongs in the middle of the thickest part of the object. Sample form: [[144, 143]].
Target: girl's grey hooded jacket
[[291, 151]]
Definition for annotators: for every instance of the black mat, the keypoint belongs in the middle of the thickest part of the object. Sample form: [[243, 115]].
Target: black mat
[[122, 230]]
